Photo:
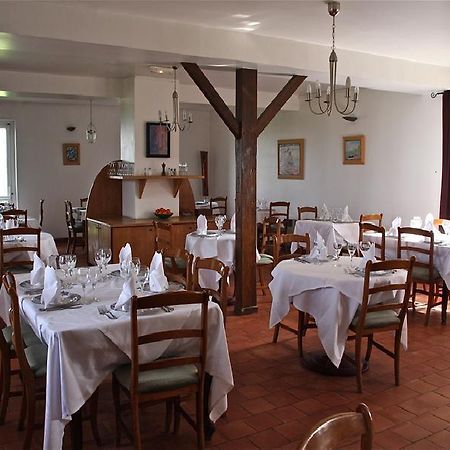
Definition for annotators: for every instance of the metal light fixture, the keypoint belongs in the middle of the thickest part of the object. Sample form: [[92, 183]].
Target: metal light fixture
[[177, 124], [91, 132], [325, 106]]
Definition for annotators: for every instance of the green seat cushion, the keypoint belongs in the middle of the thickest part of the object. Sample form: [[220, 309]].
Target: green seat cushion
[[422, 274], [28, 335], [377, 319], [265, 259], [159, 379], [179, 262], [37, 359]]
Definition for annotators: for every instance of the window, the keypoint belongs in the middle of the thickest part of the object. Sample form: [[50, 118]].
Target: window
[[8, 186]]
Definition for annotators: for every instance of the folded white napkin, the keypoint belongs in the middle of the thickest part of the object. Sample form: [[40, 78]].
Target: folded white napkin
[[157, 280], [202, 224], [128, 290], [346, 216], [38, 272], [52, 287], [258, 256], [125, 253], [429, 219], [325, 214], [393, 231], [319, 251], [233, 224], [9, 224], [368, 255]]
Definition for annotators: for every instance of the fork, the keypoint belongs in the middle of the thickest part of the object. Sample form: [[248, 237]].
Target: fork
[[103, 310]]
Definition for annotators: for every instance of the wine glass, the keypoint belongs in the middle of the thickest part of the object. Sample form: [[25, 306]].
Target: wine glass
[[125, 268], [107, 254], [220, 221], [364, 246], [337, 249], [99, 259], [83, 277], [135, 265], [94, 275], [351, 247], [142, 277], [63, 264], [71, 263]]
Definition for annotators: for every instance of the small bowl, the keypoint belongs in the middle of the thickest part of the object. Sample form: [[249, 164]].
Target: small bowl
[[163, 216]]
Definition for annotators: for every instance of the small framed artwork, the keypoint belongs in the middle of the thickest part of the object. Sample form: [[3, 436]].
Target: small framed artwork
[[354, 149], [157, 140], [291, 159], [71, 154]]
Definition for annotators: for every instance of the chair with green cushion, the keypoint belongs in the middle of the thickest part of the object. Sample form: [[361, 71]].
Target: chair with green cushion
[[178, 265], [380, 317], [420, 243], [166, 379]]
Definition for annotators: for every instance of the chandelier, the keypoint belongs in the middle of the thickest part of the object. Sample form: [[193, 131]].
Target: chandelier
[[177, 124], [91, 132], [325, 105]]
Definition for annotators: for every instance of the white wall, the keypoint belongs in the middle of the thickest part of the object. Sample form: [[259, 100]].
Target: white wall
[[41, 131], [402, 174]]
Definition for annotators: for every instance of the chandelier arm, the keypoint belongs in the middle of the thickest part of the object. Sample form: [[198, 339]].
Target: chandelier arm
[[343, 111], [312, 110]]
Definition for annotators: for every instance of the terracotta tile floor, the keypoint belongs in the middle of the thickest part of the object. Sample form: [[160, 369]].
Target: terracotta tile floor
[[275, 400]]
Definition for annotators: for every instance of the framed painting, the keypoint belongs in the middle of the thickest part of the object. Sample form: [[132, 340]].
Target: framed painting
[[291, 159], [354, 149], [157, 140], [71, 154]]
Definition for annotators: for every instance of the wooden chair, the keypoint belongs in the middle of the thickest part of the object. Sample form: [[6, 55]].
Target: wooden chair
[[218, 206], [332, 432], [306, 210], [177, 264], [380, 246], [303, 246], [163, 235], [20, 214], [18, 256], [41, 212], [83, 201], [377, 218], [219, 296], [74, 228], [424, 271], [280, 210], [166, 379], [375, 318]]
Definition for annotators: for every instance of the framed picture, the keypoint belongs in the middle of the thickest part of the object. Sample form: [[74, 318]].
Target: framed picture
[[71, 154], [354, 149], [291, 159], [157, 140]]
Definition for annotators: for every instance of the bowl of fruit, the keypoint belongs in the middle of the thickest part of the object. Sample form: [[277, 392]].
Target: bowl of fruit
[[163, 213]]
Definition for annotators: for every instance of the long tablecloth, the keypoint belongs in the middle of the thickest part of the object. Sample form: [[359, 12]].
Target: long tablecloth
[[84, 347], [48, 247], [327, 293]]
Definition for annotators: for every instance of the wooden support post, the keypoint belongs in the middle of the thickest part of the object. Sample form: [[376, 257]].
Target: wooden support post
[[246, 115]]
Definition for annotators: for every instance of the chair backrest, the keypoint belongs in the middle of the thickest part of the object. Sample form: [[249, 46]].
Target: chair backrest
[[271, 228], [20, 214], [220, 295], [138, 340], [218, 206], [331, 432], [41, 212], [70, 221], [177, 264], [163, 235], [378, 218], [383, 285], [83, 201], [307, 210], [425, 248], [303, 246], [279, 209], [19, 347], [18, 251], [380, 246]]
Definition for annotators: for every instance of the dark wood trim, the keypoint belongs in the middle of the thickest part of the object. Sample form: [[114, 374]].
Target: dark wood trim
[[204, 165], [278, 102], [213, 97]]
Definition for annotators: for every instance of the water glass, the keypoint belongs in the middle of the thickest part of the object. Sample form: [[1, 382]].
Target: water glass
[[125, 269], [337, 250], [135, 265], [95, 276], [107, 254], [351, 247], [63, 264], [142, 278], [220, 221], [99, 259], [71, 263], [83, 278], [364, 246]]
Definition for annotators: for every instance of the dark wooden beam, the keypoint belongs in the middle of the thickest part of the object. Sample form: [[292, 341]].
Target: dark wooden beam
[[213, 97], [246, 114], [277, 103]]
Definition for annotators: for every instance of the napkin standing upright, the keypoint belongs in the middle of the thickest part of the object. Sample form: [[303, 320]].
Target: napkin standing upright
[[233, 224], [202, 225], [346, 216], [325, 215], [396, 223], [128, 290], [157, 280], [125, 254], [38, 272], [429, 222], [368, 255], [52, 288]]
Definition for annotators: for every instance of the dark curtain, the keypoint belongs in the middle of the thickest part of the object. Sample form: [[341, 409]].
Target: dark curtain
[[445, 187]]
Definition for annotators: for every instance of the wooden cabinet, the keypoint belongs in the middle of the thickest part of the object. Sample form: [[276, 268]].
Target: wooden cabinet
[[141, 239], [99, 236]]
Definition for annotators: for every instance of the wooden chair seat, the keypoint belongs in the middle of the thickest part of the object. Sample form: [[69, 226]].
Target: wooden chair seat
[[180, 263], [422, 274], [265, 259], [377, 319], [159, 380], [28, 335]]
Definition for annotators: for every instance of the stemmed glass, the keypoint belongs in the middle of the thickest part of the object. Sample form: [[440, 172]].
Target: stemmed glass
[[364, 246], [351, 247], [94, 275], [220, 221], [125, 268], [107, 254], [337, 250], [135, 265], [99, 259], [71, 263], [142, 278], [63, 264], [84, 278]]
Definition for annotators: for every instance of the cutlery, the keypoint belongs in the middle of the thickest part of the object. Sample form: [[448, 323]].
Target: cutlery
[[103, 310], [167, 309], [59, 307]]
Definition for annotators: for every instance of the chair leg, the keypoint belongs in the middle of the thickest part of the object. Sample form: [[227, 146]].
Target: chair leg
[[169, 416], [444, 303], [176, 423], [23, 411], [413, 297], [200, 421], [136, 425], [430, 304], [276, 332], [116, 400], [369, 347], [30, 395], [300, 332], [69, 241], [93, 408], [5, 384], [358, 363], [398, 335]]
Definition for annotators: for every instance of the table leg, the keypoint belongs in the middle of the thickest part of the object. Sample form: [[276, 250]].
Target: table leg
[[76, 431], [444, 304]]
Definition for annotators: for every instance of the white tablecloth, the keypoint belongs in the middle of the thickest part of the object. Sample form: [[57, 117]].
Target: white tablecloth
[[221, 247], [48, 247], [327, 293], [330, 231], [84, 347]]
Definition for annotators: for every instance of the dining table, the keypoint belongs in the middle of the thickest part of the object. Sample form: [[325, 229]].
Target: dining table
[[331, 292], [84, 347], [331, 231]]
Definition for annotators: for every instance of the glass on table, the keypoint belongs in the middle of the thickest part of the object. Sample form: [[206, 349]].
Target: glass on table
[[71, 263], [125, 268], [83, 278], [135, 265], [351, 247], [220, 221], [364, 246], [142, 278], [95, 277], [337, 246]]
